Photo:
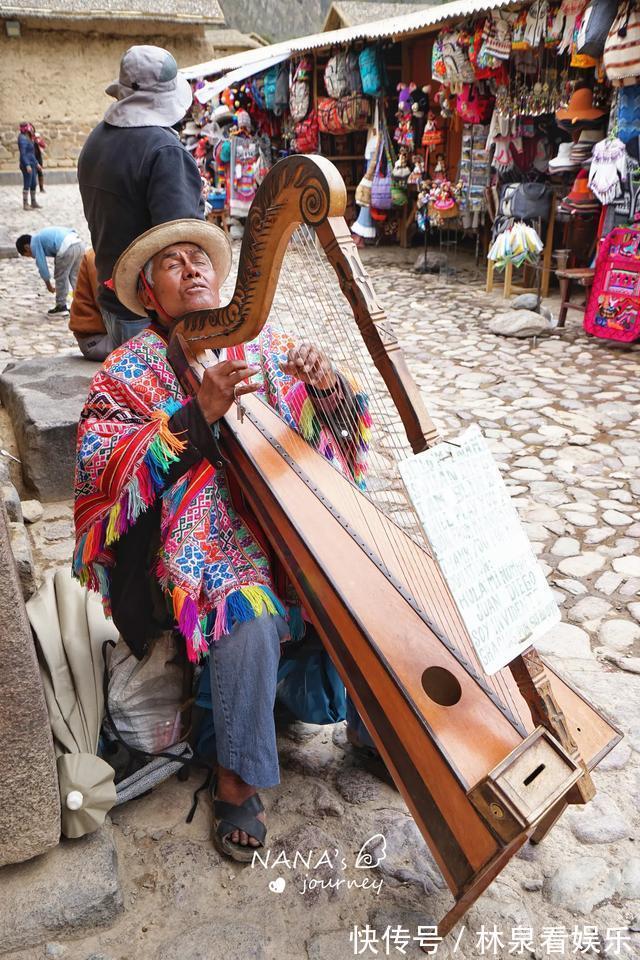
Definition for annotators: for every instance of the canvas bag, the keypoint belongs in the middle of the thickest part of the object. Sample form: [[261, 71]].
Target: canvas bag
[[622, 47], [335, 75], [299, 98], [370, 72], [596, 23], [613, 310], [281, 99]]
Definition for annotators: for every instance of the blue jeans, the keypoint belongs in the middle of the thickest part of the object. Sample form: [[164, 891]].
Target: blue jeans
[[238, 727], [244, 673], [120, 330], [29, 180]]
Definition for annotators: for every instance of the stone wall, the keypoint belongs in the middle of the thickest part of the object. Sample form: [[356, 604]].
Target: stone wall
[[55, 77]]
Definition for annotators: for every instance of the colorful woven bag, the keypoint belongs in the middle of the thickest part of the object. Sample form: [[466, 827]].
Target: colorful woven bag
[[381, 187], [613, 310]]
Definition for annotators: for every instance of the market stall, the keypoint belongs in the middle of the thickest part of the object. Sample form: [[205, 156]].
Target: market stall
[[495, 126]]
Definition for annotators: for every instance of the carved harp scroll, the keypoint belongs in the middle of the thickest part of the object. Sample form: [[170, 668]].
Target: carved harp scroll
[[307, 190]]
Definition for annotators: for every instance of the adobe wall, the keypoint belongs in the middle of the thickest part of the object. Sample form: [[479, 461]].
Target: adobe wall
[[55, 77]]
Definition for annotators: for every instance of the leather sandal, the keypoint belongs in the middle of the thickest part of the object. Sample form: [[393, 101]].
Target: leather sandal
[[228, 817]]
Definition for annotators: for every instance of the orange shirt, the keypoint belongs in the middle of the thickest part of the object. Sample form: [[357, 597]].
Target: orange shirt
[[85, 316]]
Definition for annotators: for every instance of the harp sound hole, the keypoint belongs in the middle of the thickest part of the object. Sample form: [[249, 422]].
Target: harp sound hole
[[534, 773], [441, 686]]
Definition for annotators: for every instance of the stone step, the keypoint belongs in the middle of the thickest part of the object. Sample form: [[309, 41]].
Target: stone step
[[73, 888], [44, 397]]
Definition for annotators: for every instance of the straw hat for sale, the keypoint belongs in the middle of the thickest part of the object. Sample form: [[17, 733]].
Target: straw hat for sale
[[212, 239]]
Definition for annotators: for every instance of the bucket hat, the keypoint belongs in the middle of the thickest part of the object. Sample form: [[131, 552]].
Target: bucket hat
[[149, 91], [212, 239], [580, 107]]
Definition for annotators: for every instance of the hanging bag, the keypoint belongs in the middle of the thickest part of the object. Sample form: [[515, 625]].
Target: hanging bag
[[281, 101], [299, 98], [354, 80], [596, 23], [613, 310], [269, 88], [622, 47], [531, 201], [335, 75], [473, 106], [306, 134], [329, 120], [369, 63], [381, 187], [354, 112]]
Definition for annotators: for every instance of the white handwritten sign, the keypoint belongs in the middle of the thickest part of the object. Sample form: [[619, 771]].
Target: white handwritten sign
[[481, 547]]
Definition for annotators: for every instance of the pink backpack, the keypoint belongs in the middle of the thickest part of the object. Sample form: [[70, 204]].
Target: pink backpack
[[613, 311]]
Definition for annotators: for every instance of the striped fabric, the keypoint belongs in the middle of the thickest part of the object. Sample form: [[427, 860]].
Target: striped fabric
[[622, 49]]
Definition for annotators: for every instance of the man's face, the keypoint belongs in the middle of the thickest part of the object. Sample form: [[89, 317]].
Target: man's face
[[183, 281]]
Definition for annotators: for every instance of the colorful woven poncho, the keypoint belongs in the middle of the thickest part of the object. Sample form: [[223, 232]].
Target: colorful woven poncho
[[210, 566]]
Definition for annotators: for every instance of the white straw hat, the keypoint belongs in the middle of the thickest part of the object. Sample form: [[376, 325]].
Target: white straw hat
[[208, 236]]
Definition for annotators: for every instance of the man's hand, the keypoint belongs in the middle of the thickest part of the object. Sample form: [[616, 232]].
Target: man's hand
[[217, 391], [50, 286], [38, 168], [309, 364], [28, 168]]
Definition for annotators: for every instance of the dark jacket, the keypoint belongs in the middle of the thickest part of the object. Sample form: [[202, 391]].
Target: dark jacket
[[132, 178]]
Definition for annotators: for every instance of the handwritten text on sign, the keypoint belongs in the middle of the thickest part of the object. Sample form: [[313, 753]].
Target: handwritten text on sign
[[481, 547]]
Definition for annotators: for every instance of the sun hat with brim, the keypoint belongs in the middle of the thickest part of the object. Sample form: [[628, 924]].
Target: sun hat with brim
[[580, 107], [149, 91], [208, 236]]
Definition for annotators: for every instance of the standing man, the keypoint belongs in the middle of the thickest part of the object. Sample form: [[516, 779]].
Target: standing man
[[66, 248], [133, 171]]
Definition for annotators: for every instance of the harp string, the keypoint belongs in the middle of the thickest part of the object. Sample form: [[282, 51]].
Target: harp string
[[318, 311], [335, 330]]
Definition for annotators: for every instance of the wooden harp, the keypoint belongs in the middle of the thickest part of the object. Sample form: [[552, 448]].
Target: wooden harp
[[483, 763]]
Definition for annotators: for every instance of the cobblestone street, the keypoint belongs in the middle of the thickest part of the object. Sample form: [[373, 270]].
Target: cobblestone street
[[563, 419]]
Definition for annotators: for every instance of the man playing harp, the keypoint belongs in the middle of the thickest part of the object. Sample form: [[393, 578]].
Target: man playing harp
[[162, 530]]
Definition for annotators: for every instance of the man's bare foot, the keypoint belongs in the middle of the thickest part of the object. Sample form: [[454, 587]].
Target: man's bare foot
[[232, 789]]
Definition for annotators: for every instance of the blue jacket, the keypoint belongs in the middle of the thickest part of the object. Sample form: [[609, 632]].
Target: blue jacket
[[27, 150], [46, 243]]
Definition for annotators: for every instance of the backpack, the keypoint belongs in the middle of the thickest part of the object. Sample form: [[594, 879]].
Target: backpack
[[622, 47], [329, 119], [281, 96], [335, 75], [613, 310], [354, 80], [269, 88], [299, 90], [370, 72]]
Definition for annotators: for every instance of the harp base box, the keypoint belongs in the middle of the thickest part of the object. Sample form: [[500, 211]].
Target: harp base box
[[525, 785]]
